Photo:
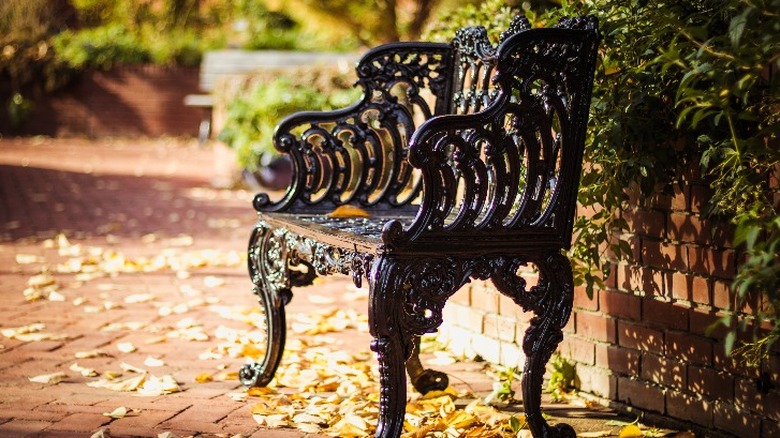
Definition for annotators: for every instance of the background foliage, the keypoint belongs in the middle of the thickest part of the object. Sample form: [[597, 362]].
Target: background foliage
[[254, 111]]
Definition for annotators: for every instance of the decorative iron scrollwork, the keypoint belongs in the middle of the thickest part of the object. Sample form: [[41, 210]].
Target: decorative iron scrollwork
[[495, 165]]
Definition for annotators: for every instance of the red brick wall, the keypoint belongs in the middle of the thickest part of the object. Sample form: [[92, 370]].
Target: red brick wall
[[643, 343], [137, 100]]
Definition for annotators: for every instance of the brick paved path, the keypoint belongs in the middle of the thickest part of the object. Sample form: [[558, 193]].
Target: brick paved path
[[131, 200]]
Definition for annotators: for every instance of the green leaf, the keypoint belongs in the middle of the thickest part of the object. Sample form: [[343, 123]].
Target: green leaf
[[515, 424], [737, 26], [729, 341]]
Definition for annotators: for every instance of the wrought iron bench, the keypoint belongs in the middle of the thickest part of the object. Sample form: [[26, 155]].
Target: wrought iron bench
[[466, 158]]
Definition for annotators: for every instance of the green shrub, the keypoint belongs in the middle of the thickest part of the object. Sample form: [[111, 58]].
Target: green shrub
[[100, 47], [252, 116]]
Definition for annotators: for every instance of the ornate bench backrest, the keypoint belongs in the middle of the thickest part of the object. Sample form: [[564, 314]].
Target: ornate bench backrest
[[503, 169], [507, 177]]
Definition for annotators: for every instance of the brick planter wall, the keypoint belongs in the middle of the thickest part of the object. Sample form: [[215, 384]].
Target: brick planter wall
[[127, 101], [643, 343]]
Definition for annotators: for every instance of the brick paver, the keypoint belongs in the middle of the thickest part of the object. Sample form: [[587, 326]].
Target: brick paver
[[135, 199]]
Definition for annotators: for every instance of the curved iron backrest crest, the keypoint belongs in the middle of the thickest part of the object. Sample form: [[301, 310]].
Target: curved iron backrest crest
[[508, 171]]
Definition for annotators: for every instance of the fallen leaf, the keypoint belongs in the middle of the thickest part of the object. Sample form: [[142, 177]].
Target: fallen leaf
[[237, 396], [31, 333], [127, 384], [139, 298], [631, 431], [41, 280], [117, 413], [167, 435], [125, 347], [211, 281], [272, 421], [131, 368], [86, 372], [49, 379], [258, 391], [204, 378], [347, 211], [102, 433], [308, 427], [15, 331], [159, 386], [153, 362], [27, 259]]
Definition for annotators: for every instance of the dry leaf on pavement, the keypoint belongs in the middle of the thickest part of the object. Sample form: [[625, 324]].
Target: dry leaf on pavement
[[631, 431], [117, 413], [49, 379]]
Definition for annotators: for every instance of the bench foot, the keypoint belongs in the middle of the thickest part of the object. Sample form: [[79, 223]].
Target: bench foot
[[424, 379]]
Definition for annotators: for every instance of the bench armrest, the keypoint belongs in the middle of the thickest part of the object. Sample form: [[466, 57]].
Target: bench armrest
[[513, 167], [357, 155]]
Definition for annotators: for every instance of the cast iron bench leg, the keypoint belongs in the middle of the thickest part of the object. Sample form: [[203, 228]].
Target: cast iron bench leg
[[392, 350], [268, 270], [551, 301]]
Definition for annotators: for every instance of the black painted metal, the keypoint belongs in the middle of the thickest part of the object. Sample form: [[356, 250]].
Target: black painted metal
[[468, 158]]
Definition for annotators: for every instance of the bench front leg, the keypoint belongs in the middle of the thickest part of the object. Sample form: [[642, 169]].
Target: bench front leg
[[391, 345], [267, 263], [406, 300], [551, 301]]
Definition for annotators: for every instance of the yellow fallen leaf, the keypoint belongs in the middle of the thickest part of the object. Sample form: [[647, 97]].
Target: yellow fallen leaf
[[31, 333], [139, 298], [347, 211], [153, 362], [153, 386], [631, 431], [117, 413], [49, 379], [125, 347], [308, 427], [350, 427], [257, 391], [86, 372], [16, 331], [204, 377], [211, 281], [128, 384], [26, 259], [131, 368], [156, 340], [102, 433], [41, 280]]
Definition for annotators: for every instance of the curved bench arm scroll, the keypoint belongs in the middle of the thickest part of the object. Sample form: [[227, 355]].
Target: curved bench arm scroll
[[358, 154]]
